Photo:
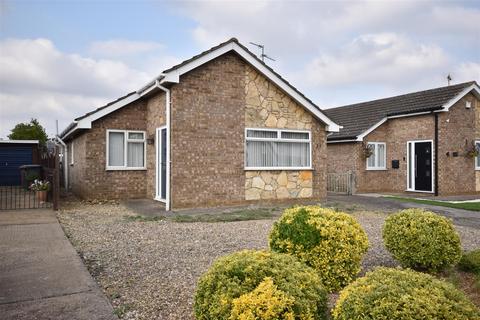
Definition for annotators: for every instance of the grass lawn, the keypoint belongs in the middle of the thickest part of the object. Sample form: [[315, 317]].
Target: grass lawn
[[472, 206], [237, 215]]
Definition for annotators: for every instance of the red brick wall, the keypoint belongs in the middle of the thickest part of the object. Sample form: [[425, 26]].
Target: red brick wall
[[396, 133], [456, 174], [457, 130], [207, 142], [77, 170], [207, 132], [97, 182], [155, 118]]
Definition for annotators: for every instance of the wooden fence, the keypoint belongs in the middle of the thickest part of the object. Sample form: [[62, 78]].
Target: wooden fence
[[341, 182]]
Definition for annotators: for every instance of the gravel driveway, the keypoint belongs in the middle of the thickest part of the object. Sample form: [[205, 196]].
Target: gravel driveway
[[149, 269]]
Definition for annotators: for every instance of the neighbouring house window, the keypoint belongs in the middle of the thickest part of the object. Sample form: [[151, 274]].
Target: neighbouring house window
[[125, 150], [477, 158], [377, 161], [277, 149]]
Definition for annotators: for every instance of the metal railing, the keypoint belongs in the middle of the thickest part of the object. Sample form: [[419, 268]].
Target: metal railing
[[18, 197], [21, 197], [341, 182]]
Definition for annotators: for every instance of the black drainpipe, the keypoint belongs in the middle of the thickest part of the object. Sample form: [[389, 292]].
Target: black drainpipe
[[436, 154]]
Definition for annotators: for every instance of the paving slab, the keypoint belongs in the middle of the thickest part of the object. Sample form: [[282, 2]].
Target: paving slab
[[41, 275]]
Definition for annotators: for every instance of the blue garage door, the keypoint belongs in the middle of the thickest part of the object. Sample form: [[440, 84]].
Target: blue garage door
[[11, 158]]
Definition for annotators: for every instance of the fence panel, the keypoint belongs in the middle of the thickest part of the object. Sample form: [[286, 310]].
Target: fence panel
[[341, 182]]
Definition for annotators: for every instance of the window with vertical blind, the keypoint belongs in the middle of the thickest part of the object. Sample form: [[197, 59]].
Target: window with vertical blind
[[377, 161], [270, 149], [126, 150]]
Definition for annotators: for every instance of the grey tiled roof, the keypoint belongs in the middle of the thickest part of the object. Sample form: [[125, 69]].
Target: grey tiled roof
[[359, 117]]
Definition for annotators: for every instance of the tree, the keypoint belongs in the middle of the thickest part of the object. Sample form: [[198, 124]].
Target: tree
[[29, 131]]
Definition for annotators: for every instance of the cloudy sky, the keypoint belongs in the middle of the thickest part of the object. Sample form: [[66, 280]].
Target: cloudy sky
[[60, 59]]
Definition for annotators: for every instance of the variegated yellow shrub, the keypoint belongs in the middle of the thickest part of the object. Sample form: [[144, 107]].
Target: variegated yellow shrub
[[266, 302], [395, 294], [422, 240], [331, 242], [261, 283]]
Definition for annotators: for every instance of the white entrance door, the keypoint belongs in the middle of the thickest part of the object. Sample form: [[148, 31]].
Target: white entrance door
[[161, 164]]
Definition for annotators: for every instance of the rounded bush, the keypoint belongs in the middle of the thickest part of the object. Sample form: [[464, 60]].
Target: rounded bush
[[422, 240], [395, 294], [333, 243], [259, 285], [266, 302], [470, 262]]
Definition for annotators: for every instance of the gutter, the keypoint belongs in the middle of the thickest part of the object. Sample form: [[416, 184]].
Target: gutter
[[65, 160]]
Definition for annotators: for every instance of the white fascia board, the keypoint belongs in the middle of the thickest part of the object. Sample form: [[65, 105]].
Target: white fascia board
[[375, 126], [175, 76], [449, 104], [19, 141], [86, 123], [410, 114]]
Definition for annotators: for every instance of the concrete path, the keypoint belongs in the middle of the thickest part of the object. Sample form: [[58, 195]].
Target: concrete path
[[460, 217], [41, 275]]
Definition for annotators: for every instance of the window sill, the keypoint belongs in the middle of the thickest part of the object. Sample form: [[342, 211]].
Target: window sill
[[419, 191], [375, 169], [125, 169], [279, 169]]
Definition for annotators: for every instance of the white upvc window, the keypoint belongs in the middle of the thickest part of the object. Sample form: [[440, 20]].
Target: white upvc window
[[126, 150], [378, 158], [275, 149], [477, 158]]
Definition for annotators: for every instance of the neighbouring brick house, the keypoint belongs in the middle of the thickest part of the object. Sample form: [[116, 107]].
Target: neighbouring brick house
[[221, 128], [417, 142]]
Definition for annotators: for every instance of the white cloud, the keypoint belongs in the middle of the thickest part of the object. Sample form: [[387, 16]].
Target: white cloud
[[122, 47], [380, 58], [38, 80], [344, 52]]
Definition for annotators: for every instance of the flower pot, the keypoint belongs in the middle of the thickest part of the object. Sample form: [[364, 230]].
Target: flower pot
[[41, 195]]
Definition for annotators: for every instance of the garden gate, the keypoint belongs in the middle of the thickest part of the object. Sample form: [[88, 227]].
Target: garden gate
[[341, 182], [14, 197]]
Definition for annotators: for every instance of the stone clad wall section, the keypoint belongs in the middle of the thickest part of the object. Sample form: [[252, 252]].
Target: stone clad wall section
[[266, 106]]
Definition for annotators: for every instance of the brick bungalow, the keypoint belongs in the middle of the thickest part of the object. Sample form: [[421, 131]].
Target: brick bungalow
[[221, 128], [417, 142]]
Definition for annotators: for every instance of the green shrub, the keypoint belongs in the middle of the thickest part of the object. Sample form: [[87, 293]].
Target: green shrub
[[331, 242], [266, 302], [422, 240], [470, 262], [394, 294], [279, 283]]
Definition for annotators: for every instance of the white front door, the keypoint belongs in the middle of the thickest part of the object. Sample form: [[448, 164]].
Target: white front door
[[161, 164]]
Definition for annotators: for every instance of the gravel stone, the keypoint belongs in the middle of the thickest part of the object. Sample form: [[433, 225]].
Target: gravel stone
[[149, 270]]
